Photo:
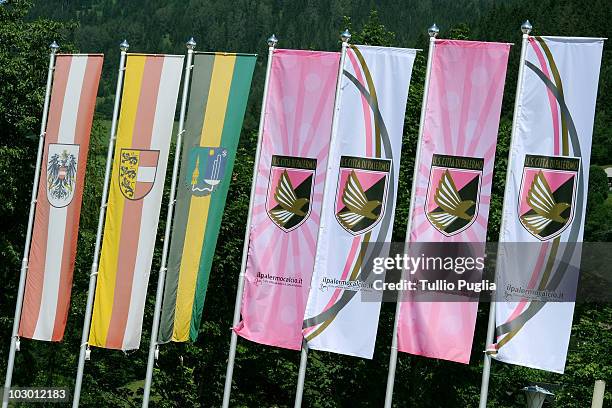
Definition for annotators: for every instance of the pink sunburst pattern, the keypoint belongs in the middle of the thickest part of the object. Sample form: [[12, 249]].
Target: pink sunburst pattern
[[461, 119], [279, 264]]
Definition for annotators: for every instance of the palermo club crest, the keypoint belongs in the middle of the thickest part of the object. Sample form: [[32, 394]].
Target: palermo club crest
[[289, 198], [361, 193], [548, 192], [62, 163], [453, 193]]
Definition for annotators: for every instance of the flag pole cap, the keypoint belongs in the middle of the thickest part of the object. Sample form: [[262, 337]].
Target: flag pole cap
[[54, 47], [433, 30], [191, 44], [272, 41], [526, 27], [345, 36], [124, 46]]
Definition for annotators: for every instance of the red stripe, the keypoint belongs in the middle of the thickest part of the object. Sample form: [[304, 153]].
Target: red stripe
[[38, 250], [143, 188], [87, 103], [132, 212], [148, 159]]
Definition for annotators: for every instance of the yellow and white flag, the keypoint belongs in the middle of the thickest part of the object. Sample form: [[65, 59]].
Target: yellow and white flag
[[148, 105]]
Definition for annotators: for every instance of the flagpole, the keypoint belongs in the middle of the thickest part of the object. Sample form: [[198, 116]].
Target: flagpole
[[84, 349], [526, 28], [299, 392], [26, 250], [433, 32], [154, 347], [345, 37], [272, 41]]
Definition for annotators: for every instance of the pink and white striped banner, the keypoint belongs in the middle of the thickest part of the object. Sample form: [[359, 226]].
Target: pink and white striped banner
[[60, 191], [359, 199], [461, 122], [287, 202], [551, 151]]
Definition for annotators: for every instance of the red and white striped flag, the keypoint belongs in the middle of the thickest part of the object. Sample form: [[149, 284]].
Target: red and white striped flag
[[60, 191]]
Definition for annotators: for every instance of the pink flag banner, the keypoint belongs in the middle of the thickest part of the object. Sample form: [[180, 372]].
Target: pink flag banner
[[288, 193], [457, 150]]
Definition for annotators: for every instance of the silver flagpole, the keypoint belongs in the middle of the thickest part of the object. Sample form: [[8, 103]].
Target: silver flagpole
[[84, 349], [433, 32], [272, 41], [154, 347], [486, 369], [345, 37], [26, 250], [299, 392]]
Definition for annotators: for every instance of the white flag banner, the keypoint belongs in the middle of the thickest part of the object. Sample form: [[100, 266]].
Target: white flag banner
[[545, 202], [358, 199]]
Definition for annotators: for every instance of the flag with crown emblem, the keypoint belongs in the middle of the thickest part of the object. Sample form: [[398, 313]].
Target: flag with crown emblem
[[46, 299]]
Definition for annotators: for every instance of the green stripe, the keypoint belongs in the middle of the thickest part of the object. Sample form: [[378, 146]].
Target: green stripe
[[200, 85], [234, 115]]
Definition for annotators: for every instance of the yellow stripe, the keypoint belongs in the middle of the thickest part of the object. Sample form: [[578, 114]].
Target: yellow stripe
[[212, 129], [105, 288]]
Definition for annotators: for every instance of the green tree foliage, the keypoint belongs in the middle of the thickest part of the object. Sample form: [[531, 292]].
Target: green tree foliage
[[24, 58], [373, 32], [192, 375], [598, 187], [599, 208]]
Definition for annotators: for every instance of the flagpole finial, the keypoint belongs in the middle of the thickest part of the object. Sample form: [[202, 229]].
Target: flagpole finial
[[433, 30], [191, 44], [526, 27], [124, 46], [272, 41], [345, 36], [54, 47]]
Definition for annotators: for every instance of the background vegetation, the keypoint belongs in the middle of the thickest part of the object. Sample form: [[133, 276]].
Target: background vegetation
[[193, 374]]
